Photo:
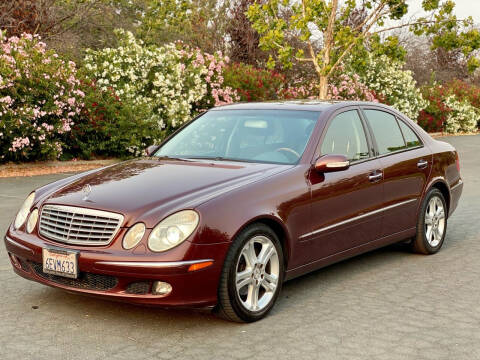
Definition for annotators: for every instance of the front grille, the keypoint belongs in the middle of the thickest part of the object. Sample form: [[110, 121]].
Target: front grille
[[138, 288], [80, 226], [85, 280]]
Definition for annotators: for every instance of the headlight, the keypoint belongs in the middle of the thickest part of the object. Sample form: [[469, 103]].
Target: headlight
[[133, 236], [173, 230], [32, 221], [24, 211]]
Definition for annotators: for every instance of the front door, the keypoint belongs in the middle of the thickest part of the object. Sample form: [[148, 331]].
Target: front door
[[346, 205]]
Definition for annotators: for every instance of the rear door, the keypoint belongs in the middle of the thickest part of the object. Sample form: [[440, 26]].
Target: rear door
[[345, 204], [405, 163]]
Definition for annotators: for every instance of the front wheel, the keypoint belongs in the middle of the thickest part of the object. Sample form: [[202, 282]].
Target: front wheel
[[432, 224], [252, 275]]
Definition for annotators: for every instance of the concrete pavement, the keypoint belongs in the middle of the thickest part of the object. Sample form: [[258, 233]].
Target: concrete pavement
[[389, 304]]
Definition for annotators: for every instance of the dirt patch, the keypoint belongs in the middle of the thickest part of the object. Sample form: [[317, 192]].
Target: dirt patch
[[51, 167]]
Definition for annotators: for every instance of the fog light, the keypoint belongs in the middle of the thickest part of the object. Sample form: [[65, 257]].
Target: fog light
[[161, 288]]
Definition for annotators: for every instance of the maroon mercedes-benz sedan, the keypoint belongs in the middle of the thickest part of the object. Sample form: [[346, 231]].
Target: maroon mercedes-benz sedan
[[236, 202]]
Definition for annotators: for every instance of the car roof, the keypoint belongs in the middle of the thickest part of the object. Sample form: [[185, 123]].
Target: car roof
[[309, 105]]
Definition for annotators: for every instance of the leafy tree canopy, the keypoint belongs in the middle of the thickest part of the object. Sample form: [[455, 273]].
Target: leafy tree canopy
[[328, 31]]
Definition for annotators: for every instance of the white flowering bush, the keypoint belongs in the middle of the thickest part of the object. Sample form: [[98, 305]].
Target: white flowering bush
[[169, 83], [345, 87], [461, 115], [393, 85], [40, 96]]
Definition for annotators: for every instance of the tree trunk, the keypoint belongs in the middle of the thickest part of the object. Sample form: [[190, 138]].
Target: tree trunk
[[327, 47], [323, 87]]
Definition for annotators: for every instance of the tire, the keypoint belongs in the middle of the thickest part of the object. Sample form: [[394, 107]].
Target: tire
[[432, 224], [251, 273]]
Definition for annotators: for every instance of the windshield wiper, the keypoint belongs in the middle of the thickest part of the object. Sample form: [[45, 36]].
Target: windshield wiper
[[216, 158], [166, 157]]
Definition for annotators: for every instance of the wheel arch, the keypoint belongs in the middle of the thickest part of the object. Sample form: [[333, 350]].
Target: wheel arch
[[442, 186], [278, 226]]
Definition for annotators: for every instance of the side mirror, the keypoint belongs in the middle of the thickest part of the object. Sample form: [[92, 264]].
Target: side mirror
[[331, 163], [151, 149]]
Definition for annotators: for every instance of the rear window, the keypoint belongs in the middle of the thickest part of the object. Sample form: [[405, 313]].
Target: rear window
[[411, 138], [386, 131]]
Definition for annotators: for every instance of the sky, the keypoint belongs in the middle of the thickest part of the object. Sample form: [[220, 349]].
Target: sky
[[463, 8]]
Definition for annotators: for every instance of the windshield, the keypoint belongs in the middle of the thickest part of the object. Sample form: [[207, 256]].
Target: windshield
[[274, 136]]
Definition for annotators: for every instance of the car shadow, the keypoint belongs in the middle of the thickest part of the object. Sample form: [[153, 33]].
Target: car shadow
[[294, 291], [333, 275]]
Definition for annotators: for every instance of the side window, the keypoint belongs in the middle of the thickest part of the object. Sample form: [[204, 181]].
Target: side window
[[386, 131], [346, 136], [411, 138]]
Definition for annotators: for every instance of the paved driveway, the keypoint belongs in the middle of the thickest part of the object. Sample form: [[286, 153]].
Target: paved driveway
[[389, 304]]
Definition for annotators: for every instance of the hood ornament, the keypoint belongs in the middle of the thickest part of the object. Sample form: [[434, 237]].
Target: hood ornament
[[87, 189]]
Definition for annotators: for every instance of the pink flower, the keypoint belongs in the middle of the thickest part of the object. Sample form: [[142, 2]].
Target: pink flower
[[71, 101], [7, 100]]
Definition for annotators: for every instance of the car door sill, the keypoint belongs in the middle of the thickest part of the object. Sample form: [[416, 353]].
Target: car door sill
[[329, 227], [345, 254]]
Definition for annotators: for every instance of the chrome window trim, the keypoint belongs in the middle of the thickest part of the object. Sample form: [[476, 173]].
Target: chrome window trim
[[356, 218], [152, 264], [85, 211]]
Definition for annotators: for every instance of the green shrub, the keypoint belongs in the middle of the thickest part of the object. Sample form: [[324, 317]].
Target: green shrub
[[109, 127], [40, 96], [168, 84], [392, 85], [452, 107], [252, 84]]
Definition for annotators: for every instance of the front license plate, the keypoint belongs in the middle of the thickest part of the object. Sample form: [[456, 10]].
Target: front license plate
[[60, 262]]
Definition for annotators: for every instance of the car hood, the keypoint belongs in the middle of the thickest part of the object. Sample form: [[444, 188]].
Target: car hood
[[150, 189]]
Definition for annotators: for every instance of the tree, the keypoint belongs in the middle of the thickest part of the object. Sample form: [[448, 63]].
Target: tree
[[330, 31], [244, 39], [198, 23], [19, 16], [69, 26]]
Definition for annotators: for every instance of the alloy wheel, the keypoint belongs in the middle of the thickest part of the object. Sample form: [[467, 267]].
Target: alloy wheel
[[434, 221], [257, 273]]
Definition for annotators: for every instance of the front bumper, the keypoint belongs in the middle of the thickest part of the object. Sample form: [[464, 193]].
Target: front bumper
[[126, 276]]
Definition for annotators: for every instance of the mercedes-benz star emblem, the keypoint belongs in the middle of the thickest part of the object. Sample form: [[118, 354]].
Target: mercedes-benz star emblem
[[87, 189]]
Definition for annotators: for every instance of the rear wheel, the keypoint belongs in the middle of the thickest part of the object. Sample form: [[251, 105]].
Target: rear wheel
[[432, 224], [252, 275]]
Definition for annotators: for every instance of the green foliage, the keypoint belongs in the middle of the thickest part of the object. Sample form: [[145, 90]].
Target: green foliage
[[166, 85], [451, 107], [198, 23], [40, 97], [109, 127], [252, 84], [281, 22], [448, 32], [277, 26], [392, 84]]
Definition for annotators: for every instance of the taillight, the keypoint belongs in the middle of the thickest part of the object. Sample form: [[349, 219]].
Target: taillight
[[457, 161]]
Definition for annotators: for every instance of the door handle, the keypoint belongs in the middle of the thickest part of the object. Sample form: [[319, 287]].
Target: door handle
[[375, 176], [422, 164]]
